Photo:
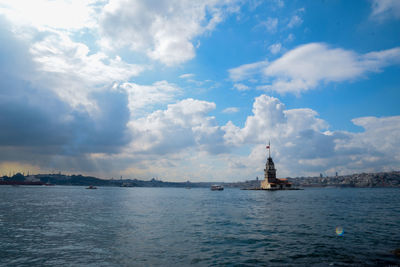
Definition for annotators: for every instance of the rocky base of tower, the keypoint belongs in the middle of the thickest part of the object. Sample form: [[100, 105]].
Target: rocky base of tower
[[278, 184], [272, 189]]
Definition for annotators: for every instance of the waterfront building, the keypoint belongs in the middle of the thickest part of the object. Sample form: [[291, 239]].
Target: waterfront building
[[270, 181]]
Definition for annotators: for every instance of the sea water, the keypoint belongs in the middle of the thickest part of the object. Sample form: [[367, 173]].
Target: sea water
[[72, 226]]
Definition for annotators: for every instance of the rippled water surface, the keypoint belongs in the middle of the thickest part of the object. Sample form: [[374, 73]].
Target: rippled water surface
[[60, 225]]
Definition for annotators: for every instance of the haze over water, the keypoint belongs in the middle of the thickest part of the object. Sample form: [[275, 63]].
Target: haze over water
[[60, 225]]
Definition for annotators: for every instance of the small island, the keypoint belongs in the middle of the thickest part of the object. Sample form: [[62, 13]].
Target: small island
[[270, 181]]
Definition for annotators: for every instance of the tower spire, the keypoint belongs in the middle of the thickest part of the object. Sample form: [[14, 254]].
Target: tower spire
[[269, 149]]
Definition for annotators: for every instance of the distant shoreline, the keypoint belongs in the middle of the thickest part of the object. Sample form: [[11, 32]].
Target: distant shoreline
[[364, 180]]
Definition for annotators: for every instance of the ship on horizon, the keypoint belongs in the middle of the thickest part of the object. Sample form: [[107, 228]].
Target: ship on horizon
[[217, 187]]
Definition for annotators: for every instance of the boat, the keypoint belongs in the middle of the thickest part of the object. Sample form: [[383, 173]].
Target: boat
[[91, 187], [217, 187]]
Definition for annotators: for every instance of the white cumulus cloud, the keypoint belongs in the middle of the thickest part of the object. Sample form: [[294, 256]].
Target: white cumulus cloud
[[164, 30], [67, 68], [61, 14], [143, 98], [182, 125], [301, 144]]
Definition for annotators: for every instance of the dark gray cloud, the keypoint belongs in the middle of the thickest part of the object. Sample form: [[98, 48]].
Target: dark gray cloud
[[36, 124], [33, 118]]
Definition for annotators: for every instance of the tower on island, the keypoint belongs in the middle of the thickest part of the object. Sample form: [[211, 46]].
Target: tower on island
[[270, 181]]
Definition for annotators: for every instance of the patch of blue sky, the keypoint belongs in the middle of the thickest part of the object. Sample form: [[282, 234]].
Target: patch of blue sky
[[237, 42], [88, 37]]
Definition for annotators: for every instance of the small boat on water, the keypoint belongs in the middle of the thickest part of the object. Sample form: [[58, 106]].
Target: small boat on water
[[217, 188], [91, 187]]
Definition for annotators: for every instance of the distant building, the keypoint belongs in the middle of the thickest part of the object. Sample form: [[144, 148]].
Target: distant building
[[270, 180]]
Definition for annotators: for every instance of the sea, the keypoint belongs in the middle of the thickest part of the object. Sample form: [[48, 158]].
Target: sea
[[112, 226]]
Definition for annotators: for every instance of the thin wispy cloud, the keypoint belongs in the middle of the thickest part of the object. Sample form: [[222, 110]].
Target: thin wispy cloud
[[275, 48], [307, 66], [241, 87], [247, 71], [230, 110], [271, 24], [187, 76], [295, 21], [385, 9]]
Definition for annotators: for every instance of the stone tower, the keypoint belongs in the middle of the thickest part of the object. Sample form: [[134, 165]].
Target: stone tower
[[270, 171], [270, 181]]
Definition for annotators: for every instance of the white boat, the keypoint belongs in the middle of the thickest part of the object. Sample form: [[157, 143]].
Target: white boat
[[217, 187]]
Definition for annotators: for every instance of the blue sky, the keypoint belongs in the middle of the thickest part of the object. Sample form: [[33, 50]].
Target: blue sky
[[181, 90]]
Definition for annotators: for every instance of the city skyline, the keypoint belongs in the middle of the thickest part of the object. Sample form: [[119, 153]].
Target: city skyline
[[181, 90]]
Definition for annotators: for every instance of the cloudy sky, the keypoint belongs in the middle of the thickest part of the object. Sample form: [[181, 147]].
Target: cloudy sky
[[194, 90]]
